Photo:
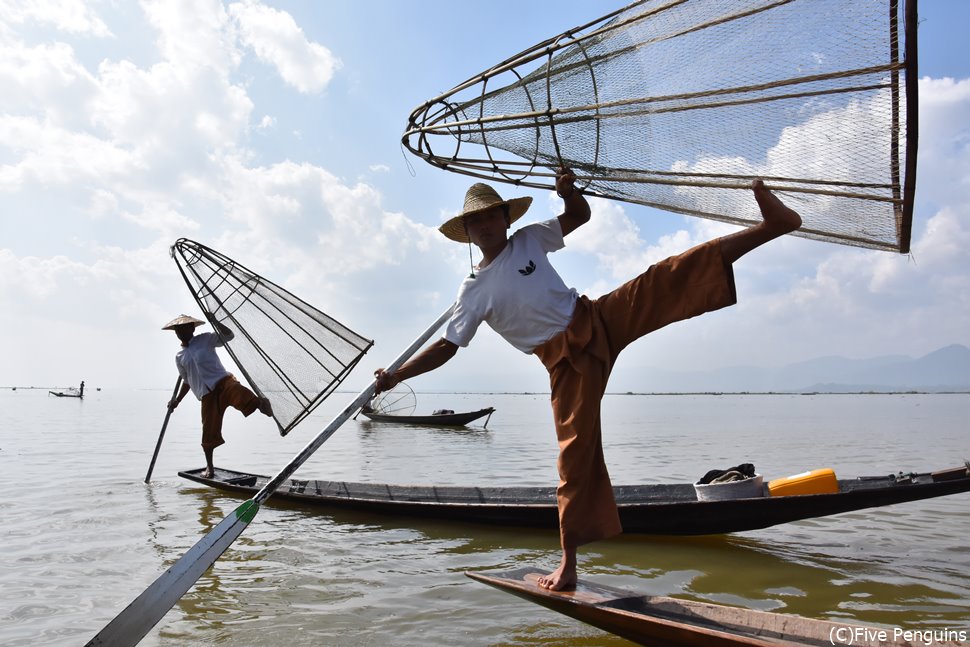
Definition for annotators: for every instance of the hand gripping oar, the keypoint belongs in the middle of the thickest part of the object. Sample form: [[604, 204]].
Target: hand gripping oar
[[161, 434], [131, 625]]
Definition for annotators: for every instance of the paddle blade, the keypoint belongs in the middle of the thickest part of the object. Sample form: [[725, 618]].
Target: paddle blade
[[131, 625]]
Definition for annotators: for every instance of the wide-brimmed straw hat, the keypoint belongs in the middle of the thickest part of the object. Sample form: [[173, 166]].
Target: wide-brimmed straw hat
[[481, 197], [182, 320]]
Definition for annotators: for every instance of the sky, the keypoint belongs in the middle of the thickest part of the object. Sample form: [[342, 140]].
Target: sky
[[271, 131]]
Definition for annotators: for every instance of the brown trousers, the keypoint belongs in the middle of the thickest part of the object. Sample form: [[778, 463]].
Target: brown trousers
[[579, 361], [228, 393]]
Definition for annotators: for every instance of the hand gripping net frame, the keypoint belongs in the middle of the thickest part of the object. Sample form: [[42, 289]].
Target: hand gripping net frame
[[289, 351], [679, 104]]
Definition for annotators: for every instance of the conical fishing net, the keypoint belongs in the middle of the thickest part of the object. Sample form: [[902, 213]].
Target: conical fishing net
[[289, 351], [679, 104]]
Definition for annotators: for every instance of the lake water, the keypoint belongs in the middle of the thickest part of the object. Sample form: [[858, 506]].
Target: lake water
[[82, 535]]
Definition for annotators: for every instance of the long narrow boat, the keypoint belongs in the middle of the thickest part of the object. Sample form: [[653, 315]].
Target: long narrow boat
[[644, 509], [61, 394], [672, 622], [437, 419]]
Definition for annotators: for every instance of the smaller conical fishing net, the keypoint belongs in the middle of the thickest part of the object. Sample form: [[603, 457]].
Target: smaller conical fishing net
[[679, 104], [289, 351]]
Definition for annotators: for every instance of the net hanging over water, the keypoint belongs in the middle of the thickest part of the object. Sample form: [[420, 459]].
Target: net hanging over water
[[679, 104], [289, 351]]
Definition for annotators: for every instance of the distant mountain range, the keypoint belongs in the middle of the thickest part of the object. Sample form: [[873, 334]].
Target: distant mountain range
[[944, 370]]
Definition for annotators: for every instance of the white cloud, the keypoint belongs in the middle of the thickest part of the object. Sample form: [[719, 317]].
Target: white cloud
[[73, 16], [108, 162], [276, 39], [44, 79], [50, 155], [193, 33]]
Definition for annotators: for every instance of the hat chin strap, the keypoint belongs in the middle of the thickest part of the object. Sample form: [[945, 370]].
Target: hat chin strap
[[470, 261]]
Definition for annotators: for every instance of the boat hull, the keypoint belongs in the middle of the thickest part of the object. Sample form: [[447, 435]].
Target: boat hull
[[441, 419], [644, 509], [672, 622]]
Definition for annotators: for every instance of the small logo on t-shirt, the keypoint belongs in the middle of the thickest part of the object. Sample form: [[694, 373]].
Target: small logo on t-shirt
[[528, 269]]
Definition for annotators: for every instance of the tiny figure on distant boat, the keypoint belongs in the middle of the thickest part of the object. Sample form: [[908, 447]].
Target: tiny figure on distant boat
[[217, 389], [521, 296], [81, 390]]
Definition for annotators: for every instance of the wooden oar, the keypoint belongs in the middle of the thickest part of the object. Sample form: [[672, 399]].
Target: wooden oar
[[131, 625], [168, 414]]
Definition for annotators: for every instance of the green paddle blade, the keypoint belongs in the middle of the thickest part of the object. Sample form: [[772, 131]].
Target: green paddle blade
[[131, 625]]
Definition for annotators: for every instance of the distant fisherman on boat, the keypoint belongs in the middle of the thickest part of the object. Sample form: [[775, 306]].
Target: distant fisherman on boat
[[521, 296], [203, 372]]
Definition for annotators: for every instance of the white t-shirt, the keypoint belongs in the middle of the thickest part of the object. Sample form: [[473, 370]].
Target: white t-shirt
[[519, 294], [199, 365]]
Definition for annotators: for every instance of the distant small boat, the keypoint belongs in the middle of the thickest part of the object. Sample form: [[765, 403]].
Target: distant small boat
[[443, 419], [69, 393], [398, 404], [672, 622], [72, 393]]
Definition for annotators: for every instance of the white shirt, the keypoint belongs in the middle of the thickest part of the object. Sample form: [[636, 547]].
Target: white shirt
[[519, 294], [199, 365]]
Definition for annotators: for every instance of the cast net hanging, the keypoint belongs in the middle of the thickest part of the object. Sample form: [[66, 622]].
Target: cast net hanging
[[679, 104], [289, 351]]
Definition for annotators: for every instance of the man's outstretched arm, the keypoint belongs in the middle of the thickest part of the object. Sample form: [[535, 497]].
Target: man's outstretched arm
[[576, 209], [432, 357]]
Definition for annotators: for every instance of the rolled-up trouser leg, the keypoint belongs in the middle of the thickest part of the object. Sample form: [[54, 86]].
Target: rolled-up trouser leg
[[228, 393]]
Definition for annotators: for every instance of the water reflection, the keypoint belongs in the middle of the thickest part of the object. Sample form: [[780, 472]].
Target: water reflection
[[369, 427], [300, 576]]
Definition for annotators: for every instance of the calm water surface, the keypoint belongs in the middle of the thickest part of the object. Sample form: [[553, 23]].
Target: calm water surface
[[82, 535]]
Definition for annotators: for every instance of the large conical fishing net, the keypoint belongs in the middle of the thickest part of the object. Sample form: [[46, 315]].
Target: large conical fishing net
[[289, 351], [679, 104]]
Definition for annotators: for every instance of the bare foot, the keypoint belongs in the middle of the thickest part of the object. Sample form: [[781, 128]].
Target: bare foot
[[777, 217], [208, 473], [561, 579], [265, 407]]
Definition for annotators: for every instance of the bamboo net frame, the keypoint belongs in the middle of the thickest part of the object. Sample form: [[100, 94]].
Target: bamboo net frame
[[288, 351], [679, 104]]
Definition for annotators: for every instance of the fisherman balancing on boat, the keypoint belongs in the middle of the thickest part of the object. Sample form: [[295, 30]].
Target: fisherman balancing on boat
[[203, 372], [516, 291]]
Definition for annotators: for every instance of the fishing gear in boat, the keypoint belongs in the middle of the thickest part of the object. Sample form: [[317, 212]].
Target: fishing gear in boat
[[288, 350], [680, 105]]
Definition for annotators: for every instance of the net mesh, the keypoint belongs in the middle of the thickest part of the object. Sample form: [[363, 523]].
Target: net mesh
[[679, 104], [289, 351]]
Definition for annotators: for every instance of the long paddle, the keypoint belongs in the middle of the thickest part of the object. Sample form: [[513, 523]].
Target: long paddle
[[158, 445], [131, 625]]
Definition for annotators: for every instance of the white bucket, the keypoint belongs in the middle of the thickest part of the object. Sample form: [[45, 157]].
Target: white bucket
[[747, 489]]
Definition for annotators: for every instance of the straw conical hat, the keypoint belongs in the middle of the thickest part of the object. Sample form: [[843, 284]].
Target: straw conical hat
[[481, 197], [182, 320]]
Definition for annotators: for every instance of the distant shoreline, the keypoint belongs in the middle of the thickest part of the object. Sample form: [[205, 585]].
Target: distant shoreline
[[658, 393]]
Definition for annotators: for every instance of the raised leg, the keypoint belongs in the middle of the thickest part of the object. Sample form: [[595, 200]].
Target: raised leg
[[776, 220]]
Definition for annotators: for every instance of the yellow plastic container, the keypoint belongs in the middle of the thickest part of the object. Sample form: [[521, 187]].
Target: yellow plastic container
[[821, 481]]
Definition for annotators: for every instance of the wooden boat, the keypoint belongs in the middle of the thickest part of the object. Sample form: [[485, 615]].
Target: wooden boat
[[69, 393], [62, 394], [644, 509], [437, 419], [672, 622]]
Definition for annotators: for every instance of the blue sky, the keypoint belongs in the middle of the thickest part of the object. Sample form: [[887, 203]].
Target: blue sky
[[271, 132]]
